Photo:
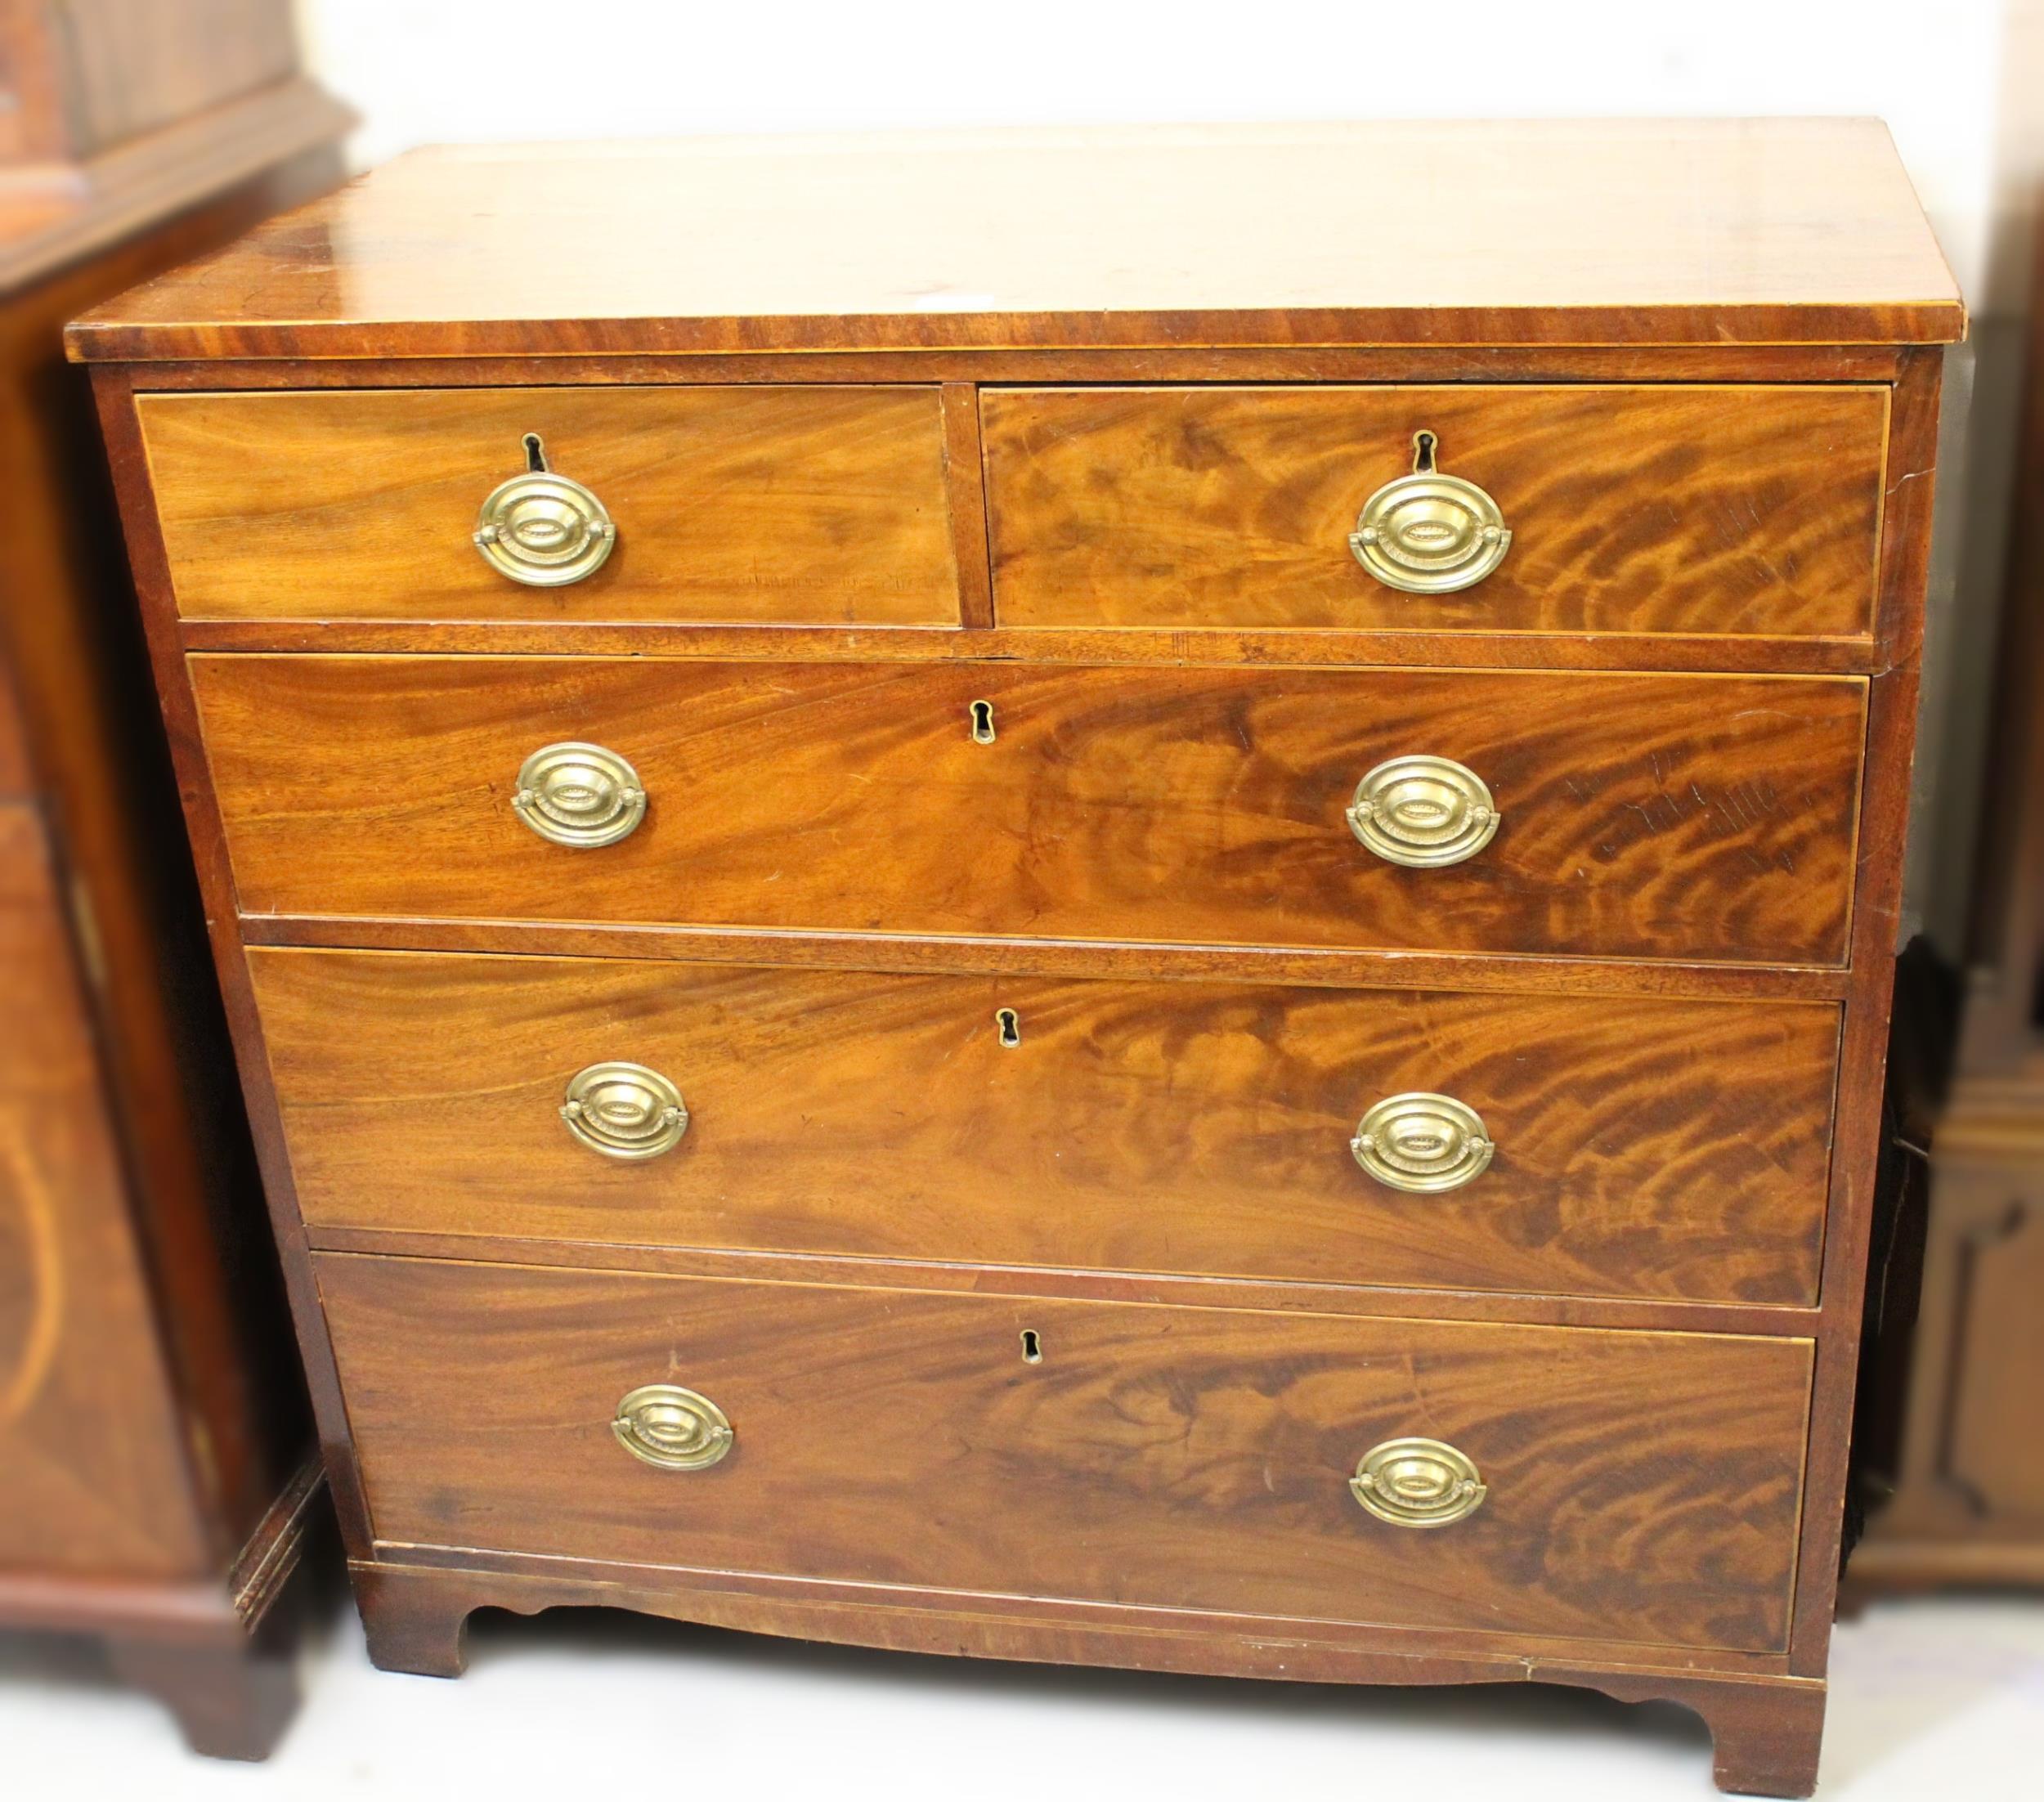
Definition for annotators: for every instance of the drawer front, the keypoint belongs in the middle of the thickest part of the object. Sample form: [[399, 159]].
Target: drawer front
[[749, 504], [1707, 816], [1641, 1148], [1639, 1486], [1717, 510]]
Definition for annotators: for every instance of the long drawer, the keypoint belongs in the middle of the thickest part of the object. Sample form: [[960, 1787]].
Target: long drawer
[[1603, 1146], [1698, 817], [1640, 1486], [762, 504], [1723, 510]]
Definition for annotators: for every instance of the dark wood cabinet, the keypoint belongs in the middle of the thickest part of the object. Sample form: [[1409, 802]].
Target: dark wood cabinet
[[1948, 1428], [154, 1488]]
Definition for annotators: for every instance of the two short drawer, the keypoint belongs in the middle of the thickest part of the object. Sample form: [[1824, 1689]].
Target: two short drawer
[[1703, 818], [1596, 1145], [1734, 511], [1560, 1482]]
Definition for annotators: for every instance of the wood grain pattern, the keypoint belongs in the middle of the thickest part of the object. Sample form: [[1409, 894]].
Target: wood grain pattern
[[135, 66], [415, 1598], [150, 1409], [16, 783], [797, 766], [912, 952], [432, 1582], [1646, 1147], [1765, 1729], [114, 400], [1162, 363], [1950, 1380], [1506, 1307], [1285, 648], [1891, 729], [819, 504], [1643, 1486], [1232, 506], [93, 1477], [1706, 231], [162, 185], [1647, 816], [70, 642]]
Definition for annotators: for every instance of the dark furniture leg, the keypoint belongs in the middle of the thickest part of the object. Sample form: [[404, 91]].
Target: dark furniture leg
[[230, 1701]]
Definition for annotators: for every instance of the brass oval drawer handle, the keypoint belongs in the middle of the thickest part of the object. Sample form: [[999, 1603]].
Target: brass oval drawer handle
[[1417, 1482], [1428, 532], [1425, 1145], [1423, 812], [579, 795], [624, 1110], [542, 529], [673, 1429]]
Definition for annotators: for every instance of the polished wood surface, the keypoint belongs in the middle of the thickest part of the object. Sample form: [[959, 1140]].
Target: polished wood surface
[[1997, 1340], [81, 1493], [1701, 231], [150, 1413], [1233, 506], [822, 504], [1642, 1486], [1154, 812], [102, 775], [142, 186], [16, 783], [1643, 816], [1165, 1289], [1645, 1148], [927, 953], [415, 1606], [137, 65], [1954, 1471]]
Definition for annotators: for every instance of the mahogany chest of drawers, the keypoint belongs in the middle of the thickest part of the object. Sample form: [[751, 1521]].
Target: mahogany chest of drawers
[[1103, 896]]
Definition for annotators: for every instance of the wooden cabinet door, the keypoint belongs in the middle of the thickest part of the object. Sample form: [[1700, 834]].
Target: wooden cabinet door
[[93, 1479]]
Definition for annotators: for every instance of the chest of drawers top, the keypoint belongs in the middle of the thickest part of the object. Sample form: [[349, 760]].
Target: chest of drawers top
[[1614, 232]]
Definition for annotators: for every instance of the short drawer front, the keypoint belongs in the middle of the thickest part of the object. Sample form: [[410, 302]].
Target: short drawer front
[[755, 504], [1638, 509], [1635, 1486], [1637, 1148], [1695, 817]]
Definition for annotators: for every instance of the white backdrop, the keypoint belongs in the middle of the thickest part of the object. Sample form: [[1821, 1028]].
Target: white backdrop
[[1950, 77], [439, 70]]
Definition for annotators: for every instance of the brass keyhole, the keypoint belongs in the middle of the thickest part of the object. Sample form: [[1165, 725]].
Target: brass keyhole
[[1424, 444], [1032, 1347], [535, 454], [983, 722], [1009, 1024]]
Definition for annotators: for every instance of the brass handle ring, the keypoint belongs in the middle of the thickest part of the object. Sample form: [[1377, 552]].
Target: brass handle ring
[[1417, 1482], [1423, 812], [543, 530], [1425, 1145], [579, 795], [624, 1110], [672, 1428], [1428, 532]]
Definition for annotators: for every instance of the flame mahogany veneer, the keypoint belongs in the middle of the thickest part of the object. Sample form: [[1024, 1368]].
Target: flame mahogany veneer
[[992, 676]]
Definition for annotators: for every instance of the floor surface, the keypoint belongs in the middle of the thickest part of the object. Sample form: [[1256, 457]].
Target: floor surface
[[1930, 1699]]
